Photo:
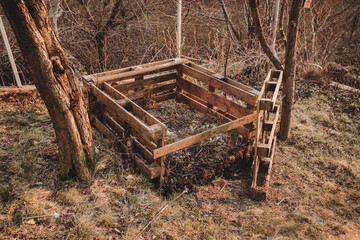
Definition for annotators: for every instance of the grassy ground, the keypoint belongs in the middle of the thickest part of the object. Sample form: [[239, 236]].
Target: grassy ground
[[315, 187]]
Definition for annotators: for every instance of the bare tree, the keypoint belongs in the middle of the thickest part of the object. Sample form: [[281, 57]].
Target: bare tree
[[290, 61], [54, 77], [102, 28], [290, 68]]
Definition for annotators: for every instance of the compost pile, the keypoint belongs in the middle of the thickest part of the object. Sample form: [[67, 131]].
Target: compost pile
[[200, 163]]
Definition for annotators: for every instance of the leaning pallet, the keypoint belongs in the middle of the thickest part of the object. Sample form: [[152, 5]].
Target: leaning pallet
[[265, 139], [118, 98]]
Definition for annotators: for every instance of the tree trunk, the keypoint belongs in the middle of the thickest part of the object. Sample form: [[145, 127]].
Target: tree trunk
[[55, 12], [56, 82], [290, 69], [100, 44]]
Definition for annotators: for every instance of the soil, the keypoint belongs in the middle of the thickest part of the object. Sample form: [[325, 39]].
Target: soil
[[200, 163]]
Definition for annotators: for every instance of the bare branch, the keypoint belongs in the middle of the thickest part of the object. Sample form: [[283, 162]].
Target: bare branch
[[258, 29]]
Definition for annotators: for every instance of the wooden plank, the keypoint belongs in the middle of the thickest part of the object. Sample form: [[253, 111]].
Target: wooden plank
[[121, 114], [10, 54], [277, 89], [146, 82], [114, 125], [137, 110], [264, 148], [150, 171], [145, 153], [126, 69], [162, 151], [101, 127], [267, 104], [5, 91], [230, 81], [216, 100], [171, 64], [158, 98], [120, 130], [200, 107], [151, 91], [221, 85], [263, 88], [189, 100]]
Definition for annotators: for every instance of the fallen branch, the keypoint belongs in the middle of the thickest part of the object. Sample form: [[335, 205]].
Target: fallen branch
[[345, 87], [158, 213]]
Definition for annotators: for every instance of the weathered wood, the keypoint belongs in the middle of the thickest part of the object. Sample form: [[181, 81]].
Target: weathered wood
[[145, 153], [200, 107], [152, 171], [120, 130], [216, 100], [119, 113], [202, 136], [154, 90], [160, 143], [158, 98], [264, 148], [145, 82], [136, 109], [114, 125], [221, 85], [218, 76], [189, 100], [4, 91], [272, 87], [126, 69], [9, 52], [102, 128], [113, 77]]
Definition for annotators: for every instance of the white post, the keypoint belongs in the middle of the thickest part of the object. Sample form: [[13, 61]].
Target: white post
[[178, 36], [11, 57], [275, 26]]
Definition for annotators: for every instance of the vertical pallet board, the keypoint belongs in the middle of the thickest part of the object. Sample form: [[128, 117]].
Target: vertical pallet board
[[265, 139]]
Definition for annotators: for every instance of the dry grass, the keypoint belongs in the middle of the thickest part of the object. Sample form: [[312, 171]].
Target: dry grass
[[315, 188]]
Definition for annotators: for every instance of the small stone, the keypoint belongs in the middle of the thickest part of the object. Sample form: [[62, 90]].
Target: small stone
[[31, 221], [97, 150], [129, 177]]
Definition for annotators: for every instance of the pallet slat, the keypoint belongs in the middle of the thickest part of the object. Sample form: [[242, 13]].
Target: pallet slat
[[221, 85], [151, 171], [216, 100], [232, 82], [264, 148], [140, 70], [202, 136], [101, 127], [145, 82], [121, 114], [154, 90], [141, 113]]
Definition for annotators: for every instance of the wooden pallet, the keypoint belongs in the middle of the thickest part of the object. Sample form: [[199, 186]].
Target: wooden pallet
[[265, 139], [118, 98]]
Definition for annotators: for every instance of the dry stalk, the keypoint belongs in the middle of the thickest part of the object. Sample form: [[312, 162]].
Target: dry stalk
[[158, 213]]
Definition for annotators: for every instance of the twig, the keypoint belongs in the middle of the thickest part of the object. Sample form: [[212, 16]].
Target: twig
[[158, 213], [281, 201], [56, 215], [223, 187]]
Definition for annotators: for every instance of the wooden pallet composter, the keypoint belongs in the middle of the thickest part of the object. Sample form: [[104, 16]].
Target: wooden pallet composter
[[265, 139], [119, 97]]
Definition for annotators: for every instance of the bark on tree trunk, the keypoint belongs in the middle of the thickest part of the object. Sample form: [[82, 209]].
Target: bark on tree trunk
[[56, 82], [290, 69], [100, 44]]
